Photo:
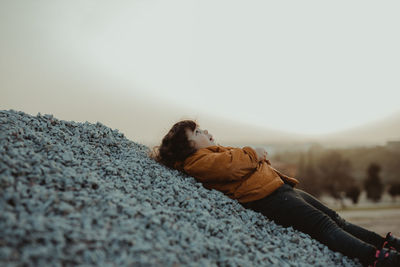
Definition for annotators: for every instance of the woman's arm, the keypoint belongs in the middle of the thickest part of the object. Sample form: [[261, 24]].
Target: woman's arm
[[230, 165]]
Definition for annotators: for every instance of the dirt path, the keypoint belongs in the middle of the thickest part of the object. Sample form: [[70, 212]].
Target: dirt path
[[380, 221]]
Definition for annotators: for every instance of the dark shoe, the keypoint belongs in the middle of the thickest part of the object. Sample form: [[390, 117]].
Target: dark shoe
[[386, 258], [391, 242]]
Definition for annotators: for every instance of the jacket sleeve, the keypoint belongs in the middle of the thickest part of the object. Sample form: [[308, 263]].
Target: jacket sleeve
[[291, 180], [229, 165]]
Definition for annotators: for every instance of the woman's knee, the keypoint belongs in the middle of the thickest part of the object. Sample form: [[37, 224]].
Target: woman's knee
[[319, 205], [342, 223]]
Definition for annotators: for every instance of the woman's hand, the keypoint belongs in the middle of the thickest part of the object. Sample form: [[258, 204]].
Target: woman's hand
[[261, 153]]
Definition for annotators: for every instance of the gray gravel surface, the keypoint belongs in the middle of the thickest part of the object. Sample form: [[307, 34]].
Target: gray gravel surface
[[81, 194]]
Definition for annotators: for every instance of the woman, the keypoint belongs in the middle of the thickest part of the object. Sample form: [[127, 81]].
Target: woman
[[246, 175]]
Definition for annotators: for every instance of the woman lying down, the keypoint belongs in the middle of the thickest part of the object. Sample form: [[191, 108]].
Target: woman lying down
[[245, 174]]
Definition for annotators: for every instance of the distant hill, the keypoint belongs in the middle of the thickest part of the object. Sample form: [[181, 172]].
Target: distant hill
[[231, 132], [375, 133], [147, 119]]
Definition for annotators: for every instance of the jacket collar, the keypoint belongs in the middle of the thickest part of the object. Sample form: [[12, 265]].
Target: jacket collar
[[217, 148]]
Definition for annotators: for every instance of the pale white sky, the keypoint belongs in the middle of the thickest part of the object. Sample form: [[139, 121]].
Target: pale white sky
[[301, 66]]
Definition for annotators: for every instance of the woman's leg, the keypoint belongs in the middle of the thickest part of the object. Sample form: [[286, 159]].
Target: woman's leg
[[359, 232], [287, 208]]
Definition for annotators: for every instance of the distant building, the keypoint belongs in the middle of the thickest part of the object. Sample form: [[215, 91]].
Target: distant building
[[393, 145]]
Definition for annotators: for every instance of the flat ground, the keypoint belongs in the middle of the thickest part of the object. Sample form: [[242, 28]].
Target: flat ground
[[379, 220], [381, 217]]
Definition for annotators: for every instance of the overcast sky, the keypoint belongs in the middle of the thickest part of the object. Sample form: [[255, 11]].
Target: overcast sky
[[298, 66]]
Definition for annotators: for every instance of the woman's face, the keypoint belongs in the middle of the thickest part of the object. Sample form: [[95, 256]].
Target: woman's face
[[200, 138]]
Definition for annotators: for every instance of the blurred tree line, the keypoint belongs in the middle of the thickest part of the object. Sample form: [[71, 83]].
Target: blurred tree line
[[345, 173]]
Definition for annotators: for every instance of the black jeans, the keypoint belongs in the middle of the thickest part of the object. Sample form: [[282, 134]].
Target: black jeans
[[292, 207]]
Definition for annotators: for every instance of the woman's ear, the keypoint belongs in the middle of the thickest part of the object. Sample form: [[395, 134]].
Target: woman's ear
[[192, 144]]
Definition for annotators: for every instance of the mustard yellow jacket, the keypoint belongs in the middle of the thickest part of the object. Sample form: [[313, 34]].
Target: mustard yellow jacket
[[235, 171]]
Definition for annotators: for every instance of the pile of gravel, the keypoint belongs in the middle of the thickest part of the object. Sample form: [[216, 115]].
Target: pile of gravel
[[82, 194]]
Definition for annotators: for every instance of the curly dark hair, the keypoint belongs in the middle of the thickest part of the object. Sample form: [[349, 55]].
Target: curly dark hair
[[175, 146]]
